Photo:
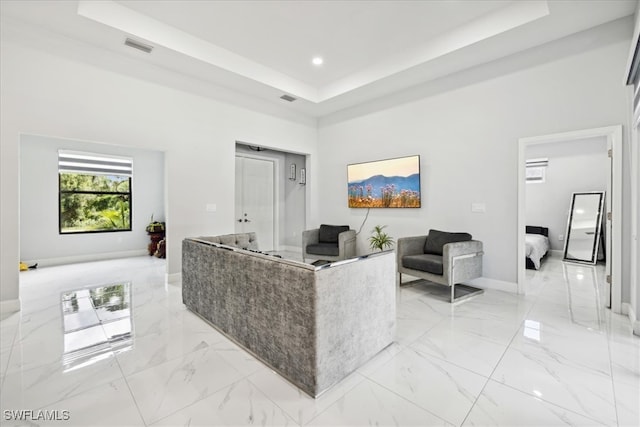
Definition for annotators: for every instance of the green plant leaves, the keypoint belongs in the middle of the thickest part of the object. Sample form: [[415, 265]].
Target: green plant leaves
[[379, 239]]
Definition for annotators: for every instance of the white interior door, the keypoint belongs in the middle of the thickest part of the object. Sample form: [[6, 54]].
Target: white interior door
[[255, 201]]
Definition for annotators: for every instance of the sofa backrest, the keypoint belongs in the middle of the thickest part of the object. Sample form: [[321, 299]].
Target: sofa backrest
[[237, 240], [335, 317]]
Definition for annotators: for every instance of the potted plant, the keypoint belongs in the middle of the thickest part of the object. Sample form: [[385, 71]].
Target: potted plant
[[155, 226], [379, 239], [155, 230]]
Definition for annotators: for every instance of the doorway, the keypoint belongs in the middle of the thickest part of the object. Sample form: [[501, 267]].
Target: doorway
[[613, 135], [40, 239], [255, 207]]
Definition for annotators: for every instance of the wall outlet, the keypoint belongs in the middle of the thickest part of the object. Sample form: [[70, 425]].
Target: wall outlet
[[561, 237]]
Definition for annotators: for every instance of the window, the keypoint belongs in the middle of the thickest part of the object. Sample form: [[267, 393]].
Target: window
[[94, 192], [536, 170]]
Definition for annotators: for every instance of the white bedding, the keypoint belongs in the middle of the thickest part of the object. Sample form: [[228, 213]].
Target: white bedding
[[536, 246]]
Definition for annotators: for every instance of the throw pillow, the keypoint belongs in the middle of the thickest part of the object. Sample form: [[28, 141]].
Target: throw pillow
[[437, 239], [242, 240], [329, 233]]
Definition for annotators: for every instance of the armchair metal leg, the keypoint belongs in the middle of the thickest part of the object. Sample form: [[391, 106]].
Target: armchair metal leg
[[409, 283], [464, 292]]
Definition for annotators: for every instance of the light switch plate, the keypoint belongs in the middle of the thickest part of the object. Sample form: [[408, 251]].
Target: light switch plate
[[478, 207], [211, 207]]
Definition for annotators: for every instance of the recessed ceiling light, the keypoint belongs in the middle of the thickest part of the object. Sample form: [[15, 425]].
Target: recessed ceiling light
[[317, 60]]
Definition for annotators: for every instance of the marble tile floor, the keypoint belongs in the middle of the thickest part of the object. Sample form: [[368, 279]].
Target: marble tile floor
[[130, 354]]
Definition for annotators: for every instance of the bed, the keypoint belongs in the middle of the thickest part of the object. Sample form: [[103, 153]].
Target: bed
[[536, 245]]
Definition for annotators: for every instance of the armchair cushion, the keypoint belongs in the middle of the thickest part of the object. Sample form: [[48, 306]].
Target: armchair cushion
[[425, 262], [437, 239], [329, 233], [330, 249]]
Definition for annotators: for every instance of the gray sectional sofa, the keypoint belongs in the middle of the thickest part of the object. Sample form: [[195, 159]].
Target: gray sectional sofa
[[313, 325]]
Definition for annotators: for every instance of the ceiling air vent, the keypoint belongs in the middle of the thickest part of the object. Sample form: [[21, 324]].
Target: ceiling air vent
[[288, 98], [138, 45]]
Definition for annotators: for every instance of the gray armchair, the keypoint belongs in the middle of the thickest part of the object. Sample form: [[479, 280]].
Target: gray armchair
[[442, 257], [329, 242]]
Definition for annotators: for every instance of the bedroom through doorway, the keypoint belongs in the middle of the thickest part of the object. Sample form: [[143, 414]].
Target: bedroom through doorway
[[553, 167], [554, 172]]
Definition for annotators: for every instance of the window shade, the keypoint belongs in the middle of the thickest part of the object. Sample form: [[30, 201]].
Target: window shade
[[537, 163], [94, 164]]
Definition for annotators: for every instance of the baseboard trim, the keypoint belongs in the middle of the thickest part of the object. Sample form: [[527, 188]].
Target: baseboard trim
[[10, 306], [74, 259], [497, 285], [173, 278], [625, 309], [631, 313]]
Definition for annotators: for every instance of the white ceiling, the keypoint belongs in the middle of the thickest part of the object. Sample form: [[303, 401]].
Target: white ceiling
[[263, 49], [285, 35]]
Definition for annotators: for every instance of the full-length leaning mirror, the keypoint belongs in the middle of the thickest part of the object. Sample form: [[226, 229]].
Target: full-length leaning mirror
[[584, 227]]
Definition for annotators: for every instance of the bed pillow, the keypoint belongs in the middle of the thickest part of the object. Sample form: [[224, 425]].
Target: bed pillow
[[534, 229], [437, 239]]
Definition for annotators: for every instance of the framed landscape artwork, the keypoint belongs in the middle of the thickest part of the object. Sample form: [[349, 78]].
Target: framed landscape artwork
[[391, 183]]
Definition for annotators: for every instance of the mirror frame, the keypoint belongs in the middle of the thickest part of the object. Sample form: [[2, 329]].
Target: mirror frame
[[596, 243]]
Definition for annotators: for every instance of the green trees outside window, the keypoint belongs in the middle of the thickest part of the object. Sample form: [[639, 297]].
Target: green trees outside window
[[94, 203]]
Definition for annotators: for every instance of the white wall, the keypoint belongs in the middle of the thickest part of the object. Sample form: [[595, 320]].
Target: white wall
[[467, 136], [40, 240], [49, 95], [573, 166], [295, 207]]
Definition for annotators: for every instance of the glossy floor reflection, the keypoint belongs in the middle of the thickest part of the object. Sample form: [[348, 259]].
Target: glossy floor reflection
[[97, 322], [553, 357]]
